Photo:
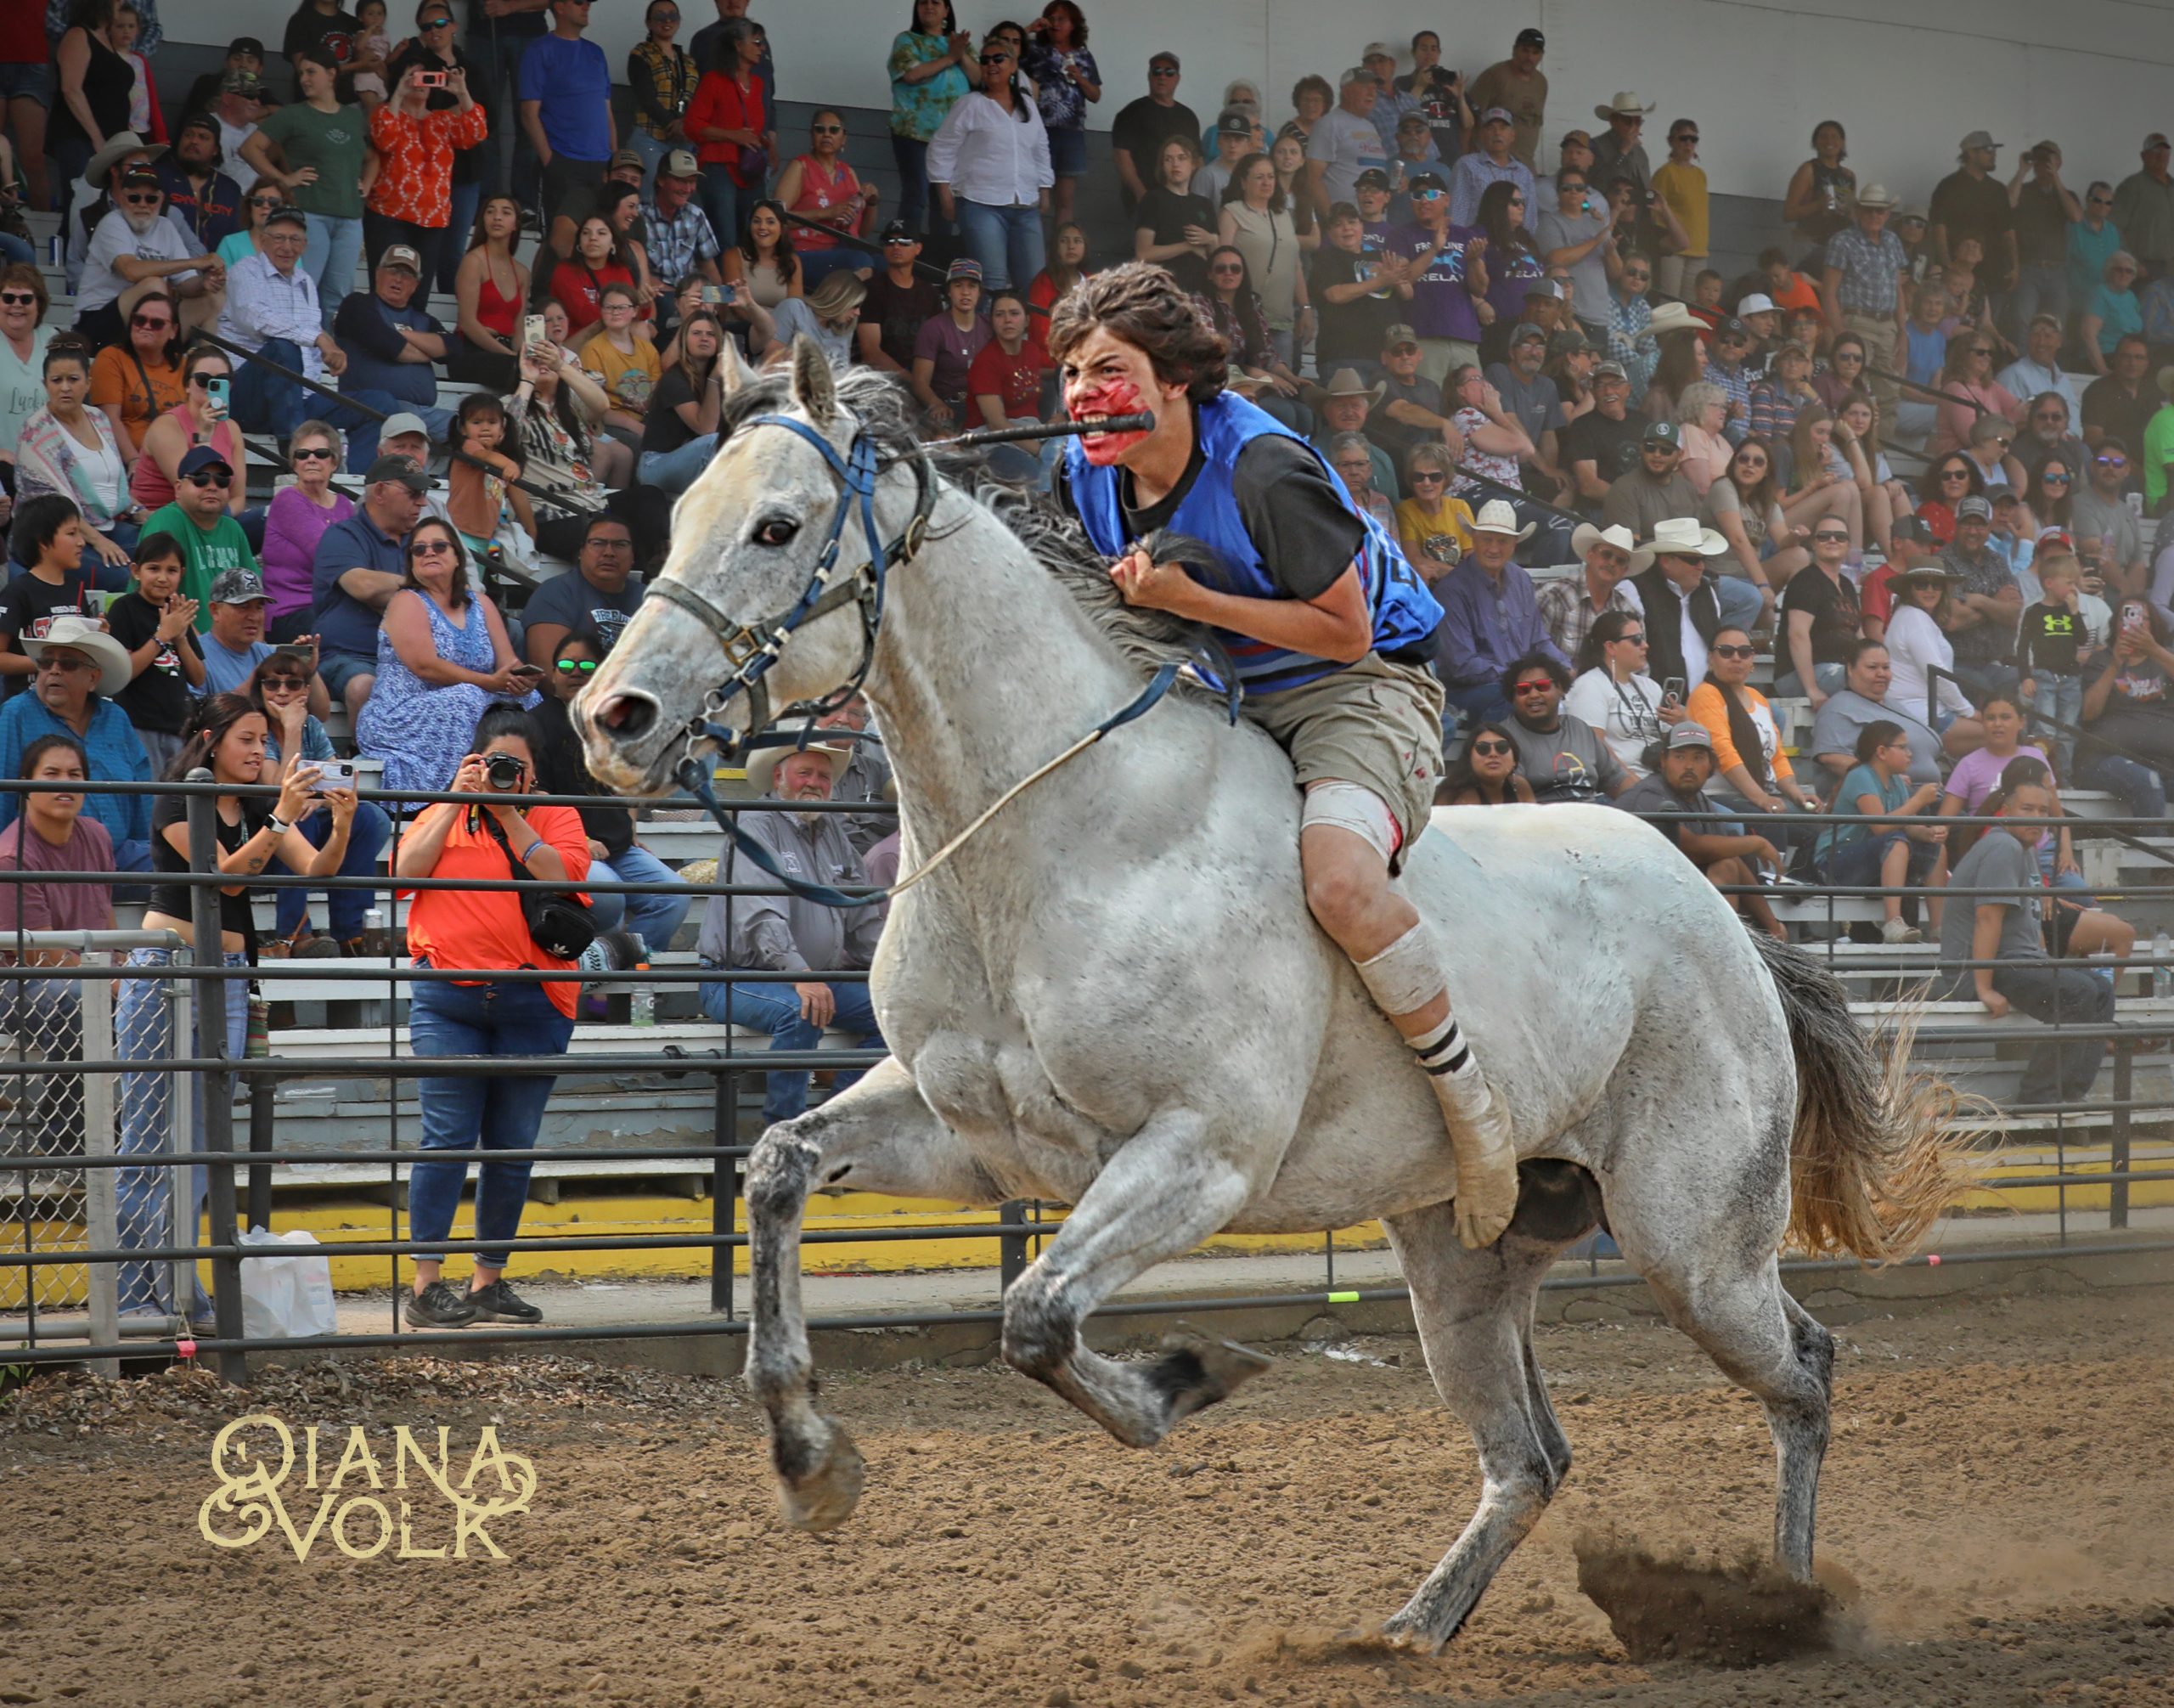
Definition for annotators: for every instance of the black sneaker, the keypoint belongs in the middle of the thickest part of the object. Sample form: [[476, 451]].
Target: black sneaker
[[498, 1303], [438, 1307]]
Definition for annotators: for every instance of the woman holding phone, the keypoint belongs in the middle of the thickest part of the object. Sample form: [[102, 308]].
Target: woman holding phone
[[443, 656]]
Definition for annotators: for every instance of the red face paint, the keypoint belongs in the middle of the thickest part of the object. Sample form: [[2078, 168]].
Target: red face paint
[[1116, 396]]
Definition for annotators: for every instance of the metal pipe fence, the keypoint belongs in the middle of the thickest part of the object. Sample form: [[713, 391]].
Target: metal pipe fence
[[94, 1056]]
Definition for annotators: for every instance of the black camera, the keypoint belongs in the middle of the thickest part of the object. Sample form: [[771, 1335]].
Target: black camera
[[503, 770]]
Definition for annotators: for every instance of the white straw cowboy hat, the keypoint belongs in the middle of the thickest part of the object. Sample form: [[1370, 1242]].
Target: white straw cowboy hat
[[763, 763], [1673, 316], [1684, 535], [80, 635], [1495, 516], [1627, 102], [1584, 536]]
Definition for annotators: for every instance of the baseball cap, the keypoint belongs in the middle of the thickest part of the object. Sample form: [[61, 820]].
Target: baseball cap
[[898, 231], [966, 266], [681, 163], [1498, 115], [237, 586], [399, 426], [1690, 733], [1975, 507], [202, 457], [1372, 179], [399, 254], [1398, 335], [400, 469], [1662, 433]]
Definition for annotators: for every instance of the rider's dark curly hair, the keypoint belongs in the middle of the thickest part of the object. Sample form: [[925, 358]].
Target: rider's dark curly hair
[[1142, 304]]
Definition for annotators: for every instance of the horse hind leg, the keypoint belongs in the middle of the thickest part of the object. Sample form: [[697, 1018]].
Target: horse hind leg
[[1474, 1311]]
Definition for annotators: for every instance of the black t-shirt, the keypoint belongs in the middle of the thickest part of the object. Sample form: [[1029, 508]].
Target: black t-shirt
[[1292, 507], [1141, 129], [1834, 615], [173, 898], [158, 699], [897, 311], [1978, 207], [26, 602], [1611, 447], [1166, 214], [1349, 331], [662, 430]]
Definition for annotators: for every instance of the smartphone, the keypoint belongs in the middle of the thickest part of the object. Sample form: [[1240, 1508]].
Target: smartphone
[[430, 80], [532, 329], [219, 392], [334, 773], [1673, 689]]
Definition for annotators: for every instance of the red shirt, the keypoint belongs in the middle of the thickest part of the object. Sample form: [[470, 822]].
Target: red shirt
[[485, 929], [1015, 379]]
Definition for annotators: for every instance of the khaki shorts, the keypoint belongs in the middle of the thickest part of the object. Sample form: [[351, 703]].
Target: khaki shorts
[[1376, 723]]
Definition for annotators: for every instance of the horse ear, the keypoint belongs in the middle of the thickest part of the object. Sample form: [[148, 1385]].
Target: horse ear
[[733, 371], [813, 387]]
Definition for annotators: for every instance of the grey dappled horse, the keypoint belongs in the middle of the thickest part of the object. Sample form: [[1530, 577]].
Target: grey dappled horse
[[1113, 995]]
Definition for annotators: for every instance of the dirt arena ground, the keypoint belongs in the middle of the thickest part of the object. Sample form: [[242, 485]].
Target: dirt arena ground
[[1999, 1493]]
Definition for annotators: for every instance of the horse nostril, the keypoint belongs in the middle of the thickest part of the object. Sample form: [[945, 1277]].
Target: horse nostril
[[627, 714]]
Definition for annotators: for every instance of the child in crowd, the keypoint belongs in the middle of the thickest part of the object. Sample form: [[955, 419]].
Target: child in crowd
[[2051, 646], [480, 498], [158, 627], [48, 536]]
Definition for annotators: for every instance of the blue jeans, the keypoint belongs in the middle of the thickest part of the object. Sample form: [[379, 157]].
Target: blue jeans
[[912, 159], [2142, 789], [1007, 241], [466, 198], [334, 245], [491, 1113], [142, 1030], [775, 1009], [498, 84], [344, 908], [265, 401], [674, 472], [653, 918], [362, 432]]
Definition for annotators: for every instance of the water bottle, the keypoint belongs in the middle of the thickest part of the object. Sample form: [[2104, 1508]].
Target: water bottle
[[2162, 975], [641, 1000], [374, 942]]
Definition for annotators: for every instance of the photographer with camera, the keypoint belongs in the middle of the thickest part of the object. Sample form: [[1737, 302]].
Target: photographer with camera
[[481, 932]]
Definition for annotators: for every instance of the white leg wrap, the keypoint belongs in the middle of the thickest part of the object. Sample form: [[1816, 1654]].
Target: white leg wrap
[[1407, 975], [1353, 808]]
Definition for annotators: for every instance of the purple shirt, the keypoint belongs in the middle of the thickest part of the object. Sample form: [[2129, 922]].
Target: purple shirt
[[292, 527], [1441, 305]]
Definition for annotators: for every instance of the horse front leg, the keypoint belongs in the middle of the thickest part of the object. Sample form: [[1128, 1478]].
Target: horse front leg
[[877, 1135], [1164, 1191]]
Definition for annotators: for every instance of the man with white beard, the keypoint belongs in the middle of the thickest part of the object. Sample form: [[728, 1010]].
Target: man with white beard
[[136, 243], [784, 933]]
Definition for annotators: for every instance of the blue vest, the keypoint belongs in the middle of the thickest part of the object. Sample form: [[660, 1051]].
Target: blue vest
[[1405, 613]]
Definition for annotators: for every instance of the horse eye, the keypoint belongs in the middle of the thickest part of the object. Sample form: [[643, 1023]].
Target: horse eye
[[777, 531]]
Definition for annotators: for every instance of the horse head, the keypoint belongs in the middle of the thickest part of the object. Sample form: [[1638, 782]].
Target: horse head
[[766, 598]]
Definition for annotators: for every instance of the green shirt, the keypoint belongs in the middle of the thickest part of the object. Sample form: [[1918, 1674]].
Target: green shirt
[[224, 546], [2158, 452], [334, 142]]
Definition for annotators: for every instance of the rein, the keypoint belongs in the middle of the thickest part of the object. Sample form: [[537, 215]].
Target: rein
[[753, 651]]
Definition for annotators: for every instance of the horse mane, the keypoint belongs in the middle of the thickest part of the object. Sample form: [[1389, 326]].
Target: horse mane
[[1148, 639]]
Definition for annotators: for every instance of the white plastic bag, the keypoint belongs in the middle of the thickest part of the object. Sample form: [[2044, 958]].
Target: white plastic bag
[[283, 1296]]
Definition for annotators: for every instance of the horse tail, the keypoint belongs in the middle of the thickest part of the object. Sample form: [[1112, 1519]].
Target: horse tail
[[1878, 1152]]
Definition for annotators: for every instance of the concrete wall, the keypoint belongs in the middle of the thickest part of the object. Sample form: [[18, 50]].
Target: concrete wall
[[1907, 77]]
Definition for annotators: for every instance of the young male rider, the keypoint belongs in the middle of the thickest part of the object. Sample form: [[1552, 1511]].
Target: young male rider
[[1328, 628]]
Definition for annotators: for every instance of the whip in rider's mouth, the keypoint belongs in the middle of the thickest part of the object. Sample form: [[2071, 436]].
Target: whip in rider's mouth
[[1328, 628]]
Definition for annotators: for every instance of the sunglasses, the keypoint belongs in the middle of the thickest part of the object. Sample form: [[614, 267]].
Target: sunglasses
[[150, 321], [310, 453], [577, 667], [1734, 652], [207, 477], [1525, 687], [1492, 750]]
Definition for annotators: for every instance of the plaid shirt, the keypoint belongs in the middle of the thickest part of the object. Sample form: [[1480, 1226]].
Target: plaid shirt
[[1567, 610], [677, 246], [1869, 266]]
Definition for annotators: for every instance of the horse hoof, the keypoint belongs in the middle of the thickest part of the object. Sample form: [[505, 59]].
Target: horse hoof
[[825, 1496]]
